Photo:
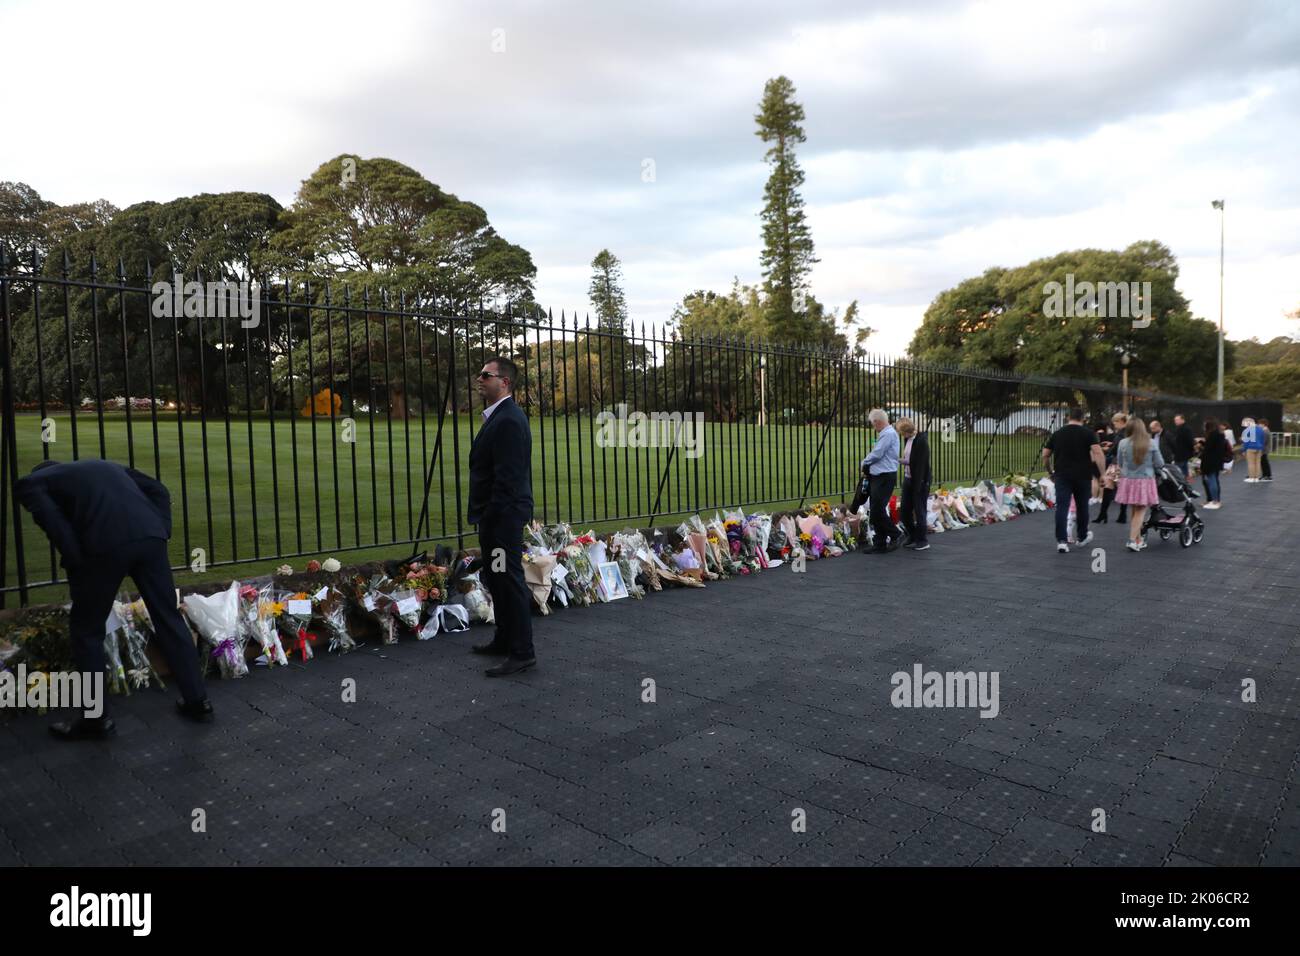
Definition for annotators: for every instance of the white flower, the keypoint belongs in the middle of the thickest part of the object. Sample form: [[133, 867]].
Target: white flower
[[284, 569], [331, 565]]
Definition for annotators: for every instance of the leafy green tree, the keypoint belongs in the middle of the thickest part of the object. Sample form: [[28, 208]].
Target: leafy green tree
[[378, 223], [1004, 320], [22, 222], [787, 255]]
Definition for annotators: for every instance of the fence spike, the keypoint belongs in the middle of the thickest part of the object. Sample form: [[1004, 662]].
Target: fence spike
[[121, 271], [67, 262]]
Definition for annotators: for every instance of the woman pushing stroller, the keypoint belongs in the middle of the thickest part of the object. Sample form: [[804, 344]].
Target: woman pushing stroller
[[1138, 459]]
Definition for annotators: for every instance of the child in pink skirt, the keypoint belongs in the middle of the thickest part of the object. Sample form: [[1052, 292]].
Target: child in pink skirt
[[1138, 458]]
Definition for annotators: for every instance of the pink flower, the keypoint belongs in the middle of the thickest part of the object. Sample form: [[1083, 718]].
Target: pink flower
[[434, 593], [422, 594], [313, 566]]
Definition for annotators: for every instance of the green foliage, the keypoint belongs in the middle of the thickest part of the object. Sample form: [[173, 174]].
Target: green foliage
[[999, 320], [378, 223]]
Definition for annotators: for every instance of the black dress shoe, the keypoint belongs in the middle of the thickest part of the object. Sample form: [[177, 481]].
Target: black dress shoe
[[490, 649], [199, 711], [511, 665], [84, 728], [893, 544], [1100, 519]]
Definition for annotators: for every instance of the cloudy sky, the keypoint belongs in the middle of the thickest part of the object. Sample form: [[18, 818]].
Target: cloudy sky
[[943, 138]]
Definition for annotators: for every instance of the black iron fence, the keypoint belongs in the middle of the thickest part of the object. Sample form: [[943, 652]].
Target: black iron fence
[[303, 419]]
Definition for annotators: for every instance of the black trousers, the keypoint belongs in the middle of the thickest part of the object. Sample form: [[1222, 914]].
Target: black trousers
[[502, 542], [1266, 470], [1108, 496], [882, 486], [915, 498], [93, 588]]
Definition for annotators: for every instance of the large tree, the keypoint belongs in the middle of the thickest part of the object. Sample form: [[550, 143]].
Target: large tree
[[787, 255], [378, 223], [1006, 319]]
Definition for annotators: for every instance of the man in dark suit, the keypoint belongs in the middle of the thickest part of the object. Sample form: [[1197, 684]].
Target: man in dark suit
[[1162, 440], [109, 521], [501, 504], [916, 483]]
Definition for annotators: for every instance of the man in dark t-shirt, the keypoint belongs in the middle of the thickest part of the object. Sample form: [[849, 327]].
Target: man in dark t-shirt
[[1073, 449]]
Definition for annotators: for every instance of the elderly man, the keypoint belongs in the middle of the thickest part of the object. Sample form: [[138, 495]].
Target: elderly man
[[881, 466], [1162, 440]]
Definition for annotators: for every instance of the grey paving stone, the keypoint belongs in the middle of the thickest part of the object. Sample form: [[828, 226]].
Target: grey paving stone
[[753, 719]]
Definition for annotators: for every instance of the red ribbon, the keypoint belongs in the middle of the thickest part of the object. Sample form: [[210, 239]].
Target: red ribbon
[[302, 641]]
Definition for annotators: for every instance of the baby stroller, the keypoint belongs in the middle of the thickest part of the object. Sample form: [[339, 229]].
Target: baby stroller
[[1188, 525]]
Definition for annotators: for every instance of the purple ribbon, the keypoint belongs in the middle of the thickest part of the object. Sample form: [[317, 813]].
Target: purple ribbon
[[228, 648]]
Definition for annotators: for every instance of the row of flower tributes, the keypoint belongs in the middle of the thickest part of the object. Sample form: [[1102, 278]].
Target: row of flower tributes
[[289, 616]]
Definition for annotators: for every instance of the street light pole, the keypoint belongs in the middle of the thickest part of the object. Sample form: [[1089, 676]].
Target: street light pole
[[1124, 360], [1218, 204]]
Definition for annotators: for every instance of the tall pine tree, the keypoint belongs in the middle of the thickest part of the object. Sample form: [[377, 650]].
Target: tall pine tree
[[787, 242], [606, 291]]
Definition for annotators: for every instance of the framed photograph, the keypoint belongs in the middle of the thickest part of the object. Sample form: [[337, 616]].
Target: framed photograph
[[611, 581]]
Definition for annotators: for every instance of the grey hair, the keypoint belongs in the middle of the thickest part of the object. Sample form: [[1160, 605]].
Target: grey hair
[[878, 415]]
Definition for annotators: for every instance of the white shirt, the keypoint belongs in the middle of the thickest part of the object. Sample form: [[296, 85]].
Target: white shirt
[[493, 407]]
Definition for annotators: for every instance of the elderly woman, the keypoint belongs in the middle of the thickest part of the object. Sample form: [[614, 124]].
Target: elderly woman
[[916, 483], [1137, 458]]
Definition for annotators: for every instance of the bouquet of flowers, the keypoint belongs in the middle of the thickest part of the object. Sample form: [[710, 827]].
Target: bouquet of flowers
[[136, 630], [117, 680], [644, 562], [260, 611], [758, 528], [428, 581], [298, 612], [841, 532], [406, 607], [330, 605], [466, 589], [217, 618], [374, 596], [580, 573]]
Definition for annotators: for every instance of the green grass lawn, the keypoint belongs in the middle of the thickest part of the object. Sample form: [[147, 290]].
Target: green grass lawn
[[295, 489]]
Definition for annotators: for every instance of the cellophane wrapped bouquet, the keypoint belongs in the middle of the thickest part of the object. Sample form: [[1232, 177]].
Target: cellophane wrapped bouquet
[[260, 610], [330, 605], [136, 630], [374, 597], [293, 624], [217, 618]]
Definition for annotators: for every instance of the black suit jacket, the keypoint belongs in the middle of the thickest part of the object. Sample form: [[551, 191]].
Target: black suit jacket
[[92, 507], [1184, 442], [1166, 446], [501, 468], [919, 461]]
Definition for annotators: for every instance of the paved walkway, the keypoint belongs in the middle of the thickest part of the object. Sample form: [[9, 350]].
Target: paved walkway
[[1119, 692]]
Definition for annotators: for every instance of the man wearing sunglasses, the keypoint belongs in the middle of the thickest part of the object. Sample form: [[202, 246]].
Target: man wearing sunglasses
[[501, 504]]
